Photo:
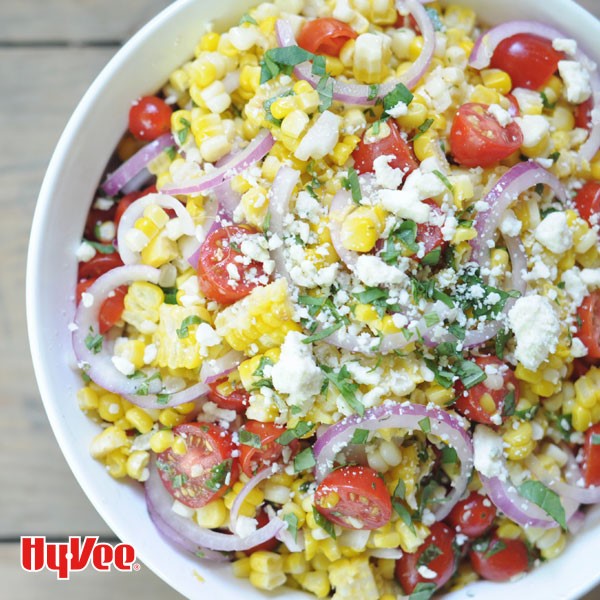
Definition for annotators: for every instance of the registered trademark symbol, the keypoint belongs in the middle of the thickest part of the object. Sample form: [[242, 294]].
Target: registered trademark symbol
[[136, 566]]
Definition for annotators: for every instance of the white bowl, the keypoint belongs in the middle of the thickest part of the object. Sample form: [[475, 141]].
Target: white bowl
[[89, 139]]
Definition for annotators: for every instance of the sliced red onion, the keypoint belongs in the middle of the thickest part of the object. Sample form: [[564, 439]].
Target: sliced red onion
[[352, 93], [254, 152], [484, 48], [195, 392], [341, 205], [405, 415], [136, 209], [214, 369], [516, 180], [293, 544], [280, 196], [141, 180], [99, 366], [191, 246], [576, 522], [134, 165], [243, 494], [162, 502]]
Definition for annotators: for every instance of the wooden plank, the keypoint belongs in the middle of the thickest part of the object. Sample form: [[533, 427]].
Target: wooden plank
[[89, 584], [39, 493], [77, 21]]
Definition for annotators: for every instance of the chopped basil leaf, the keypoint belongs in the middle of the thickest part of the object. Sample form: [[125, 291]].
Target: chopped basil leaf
[[101, 248], [449, 456], [488, 546], [539, 188], [554, 156], [458, 331], [351, 183], [444, 180], [508, 407], [249, 439], [373, 91], [320, 335], [182, 134], [292, 524], [296, 410], [399, 94], [262, 363], [376, 127], [360, 436], [247, 19], [398, 495], [431, 319], [319, 66], [324, 523], [304, 460], [183, 331], [218, 475], [431, 553], [547, 104], [144, 386], [343, 382], [500, 342], [170, 295], [325, 90], [423, 591], [425, 425], [442, 375], [179, 480], [546, 499], [470, 373], [421, 129], [282, 60], [171, 152], [427, 289], [267, 222], [432, 258], [163, 398], [371, 294], [295, 433], [93, 341], [527, 414]]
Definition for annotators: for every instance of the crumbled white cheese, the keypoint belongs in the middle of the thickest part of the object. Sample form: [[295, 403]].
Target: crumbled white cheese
[[386, 176], [245, 526], [426, 573], [578, 348], [536, 327], [123, 365], [591, 278], [502, 116], [510, 224], [565, 45], [296, 373], [576, 79], [306, 206], [85, 252], [488, 453], [321, 138], [529, 101], [212, 412], [372, 271], [399, 110], [106, 231], [206, 336], [534, 128], [103, 204], [150, 352], [87, 299], [554, 233]]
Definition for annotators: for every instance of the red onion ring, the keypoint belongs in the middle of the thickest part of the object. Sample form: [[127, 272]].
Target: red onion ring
[[254, 152], [192, 393], [161, 501], [341, 205], [484, 48], [134, 165], [352, 93], [216, 368], [516, 180], [248, 487], [280, 196], [405, 415], [136, 209]]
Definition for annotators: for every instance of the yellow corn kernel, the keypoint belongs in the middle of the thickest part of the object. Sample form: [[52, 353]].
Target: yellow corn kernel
[[460, 17], [212, 515], [487, 403], [141, 303], [409, 541], [87, 398], [156, 214], [293, 508], [264, 562], [497, 79], [361, 228], [270, 168], [250, 78], [582, 418], [315, 582], [179, 446], [464, 234], [180, 120], [386, 568], [544, 388], [509, 530], [116, 463], [110, 408], [267, 26], [179, 80], [439, 395], [415, 47], [209, 42], [556, 85], [108, 440], [586, 393], [170, 418], [159, 251], [162, 440], [425, 145], [563, 119], [344, 149], [206, 126], [295, 564], [140, 419], [131, 350], [241, 567], [186, 408], [302, 87], [485, 95], [162, 180], [386, 540], [525, 374], [283, 106], [294, 124], [255, 205], [137, 463], [520, 436], [369, 58], [499, 259], [266, 581], [147, 227], [556, 548]]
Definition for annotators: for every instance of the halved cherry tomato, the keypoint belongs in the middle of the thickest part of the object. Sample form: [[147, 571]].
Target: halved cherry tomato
[[583, 114], [501, 559], [149, 118], [220, 250], [589, 315], [478, 140], [365, 154], [581, 366], [529, 59], [229, 394], [587, 200], [591, 456], [111, 309], [431, 235], [472, 516], [98, 265], [126, 201], [407, 21], [206, 470], [325, 36], [354, 497], [442, 563], [255, 459], [500, 384], [261, 520]]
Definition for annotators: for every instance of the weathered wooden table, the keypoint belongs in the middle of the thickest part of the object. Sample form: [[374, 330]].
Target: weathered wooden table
[[50, 51]]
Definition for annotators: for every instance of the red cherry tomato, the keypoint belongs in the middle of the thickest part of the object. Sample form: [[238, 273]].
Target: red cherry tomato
[[589, 315], [587, 200], [365, 154], [407, 21], [219, 250], [530, 60], [261, 520], [478, 140], [500, 560], [591, 456], [583, 114], [442, 564], [472, 516], [325, 36], [255, 459], [111, 309], [149, 118], [97, 217], [229, 394], [498, 386], [430, 235], [98, 265], [206, 470], [354, 497], [514, 110], [126, 201]]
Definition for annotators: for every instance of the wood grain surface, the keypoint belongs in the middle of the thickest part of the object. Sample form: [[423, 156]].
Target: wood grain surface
[[50, 51]]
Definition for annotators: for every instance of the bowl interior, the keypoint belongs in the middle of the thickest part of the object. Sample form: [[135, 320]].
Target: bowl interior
[[93, 131]]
